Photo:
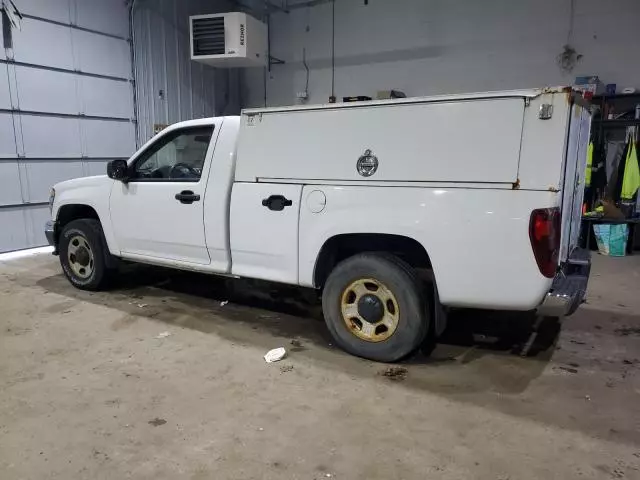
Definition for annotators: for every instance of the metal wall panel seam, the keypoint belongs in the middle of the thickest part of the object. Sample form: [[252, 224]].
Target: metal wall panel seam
[[80, 100], [73, 11], [164, 64], [143, 81], [13, 98], [75, 27], [18, 136], [204, 94], [59, 159], [13, 120], [178, 70], [76, 66], [157, 60], [83, 148], [81, 105], [25, 185], [148, 38], [66, 115], [146, 70], [25, 204], [191, 88], [18, 126], [134, 71], [29, 226], [65, 70]]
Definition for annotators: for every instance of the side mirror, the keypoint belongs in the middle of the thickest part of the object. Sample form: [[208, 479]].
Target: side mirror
[[118, 170]]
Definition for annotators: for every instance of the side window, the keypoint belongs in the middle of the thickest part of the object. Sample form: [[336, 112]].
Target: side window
[[177, 157]]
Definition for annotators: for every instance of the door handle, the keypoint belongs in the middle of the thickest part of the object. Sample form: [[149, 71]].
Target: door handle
[[187, 196], [277, 202]]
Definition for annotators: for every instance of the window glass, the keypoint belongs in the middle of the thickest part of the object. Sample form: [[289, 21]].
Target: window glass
[[178, 156]]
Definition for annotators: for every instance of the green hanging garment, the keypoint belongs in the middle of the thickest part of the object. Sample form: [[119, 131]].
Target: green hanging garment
[[631, 178], [587, 172]]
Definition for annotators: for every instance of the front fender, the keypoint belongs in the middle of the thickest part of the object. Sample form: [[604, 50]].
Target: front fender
[[93, 192]]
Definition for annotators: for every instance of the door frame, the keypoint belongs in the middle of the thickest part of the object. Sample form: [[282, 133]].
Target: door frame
[[216, 124]]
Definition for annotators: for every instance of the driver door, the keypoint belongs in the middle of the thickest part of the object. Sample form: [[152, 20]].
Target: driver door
[[158, 212]]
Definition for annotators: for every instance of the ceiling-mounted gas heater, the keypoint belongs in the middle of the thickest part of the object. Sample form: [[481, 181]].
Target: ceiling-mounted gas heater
[[228, 40]]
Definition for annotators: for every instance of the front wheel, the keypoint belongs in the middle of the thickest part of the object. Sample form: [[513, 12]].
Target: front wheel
[[374, 307], [81, 250]]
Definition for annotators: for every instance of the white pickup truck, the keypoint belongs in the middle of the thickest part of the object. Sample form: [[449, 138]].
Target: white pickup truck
[[479, 194]]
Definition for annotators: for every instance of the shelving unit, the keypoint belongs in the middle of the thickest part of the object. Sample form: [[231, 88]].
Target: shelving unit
[[604, 129], [619, 103], [616, 123]]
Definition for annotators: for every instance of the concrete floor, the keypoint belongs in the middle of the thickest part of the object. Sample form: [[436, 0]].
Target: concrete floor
[[88, 390]]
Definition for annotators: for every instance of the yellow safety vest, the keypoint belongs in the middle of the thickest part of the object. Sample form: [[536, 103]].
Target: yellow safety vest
[[587, 173], [631, 178]]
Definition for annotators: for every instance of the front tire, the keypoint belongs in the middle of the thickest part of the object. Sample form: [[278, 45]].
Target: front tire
[[374, 307], [82, 254]]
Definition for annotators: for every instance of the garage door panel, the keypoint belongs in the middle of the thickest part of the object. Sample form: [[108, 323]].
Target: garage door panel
[[102, 55], [35, 218], [5, 96], [47, 91], [57, 10], [103, 16], [103, 138], [96, 168], [9, 183], [42, 175], [106, 98], [47, 137], [13, 235], [7, 139], [55, 140], [43, 43]]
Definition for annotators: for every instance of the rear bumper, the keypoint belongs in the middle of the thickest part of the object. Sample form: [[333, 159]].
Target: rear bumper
[[569, 286], [50, 231]]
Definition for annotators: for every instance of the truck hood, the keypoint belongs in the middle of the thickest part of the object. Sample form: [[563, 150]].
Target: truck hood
[[90, 191], [82, 182]]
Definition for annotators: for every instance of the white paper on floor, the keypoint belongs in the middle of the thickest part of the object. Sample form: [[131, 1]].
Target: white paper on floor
[[275, 355]]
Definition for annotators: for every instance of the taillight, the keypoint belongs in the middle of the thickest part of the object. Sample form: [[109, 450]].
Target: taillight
[[544, 232]]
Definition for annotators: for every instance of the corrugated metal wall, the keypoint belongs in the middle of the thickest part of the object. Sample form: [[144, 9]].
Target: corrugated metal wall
[[66, 105], [171, 87]]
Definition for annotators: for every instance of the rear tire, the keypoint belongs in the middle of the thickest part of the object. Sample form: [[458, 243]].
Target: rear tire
[[82, 252], [374, 307]]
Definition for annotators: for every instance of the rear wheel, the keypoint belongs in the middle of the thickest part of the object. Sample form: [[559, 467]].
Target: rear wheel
[[374, 307], [82, 254]]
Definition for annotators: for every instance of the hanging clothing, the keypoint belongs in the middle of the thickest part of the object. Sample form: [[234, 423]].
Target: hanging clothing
[[614, 150], [598, 168], [587, 172], [631, 178], [620, 173]]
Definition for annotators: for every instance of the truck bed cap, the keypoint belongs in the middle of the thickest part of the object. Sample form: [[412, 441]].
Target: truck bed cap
[[527, 93]]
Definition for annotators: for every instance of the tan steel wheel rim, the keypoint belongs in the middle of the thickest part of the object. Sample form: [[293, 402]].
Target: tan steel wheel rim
[[369, 310]]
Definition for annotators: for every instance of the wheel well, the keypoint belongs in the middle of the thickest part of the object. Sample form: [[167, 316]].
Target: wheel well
[[343, 246], [68, 213]]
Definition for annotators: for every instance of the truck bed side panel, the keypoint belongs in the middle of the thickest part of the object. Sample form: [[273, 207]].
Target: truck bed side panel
[[462, 141], [477, 239]]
